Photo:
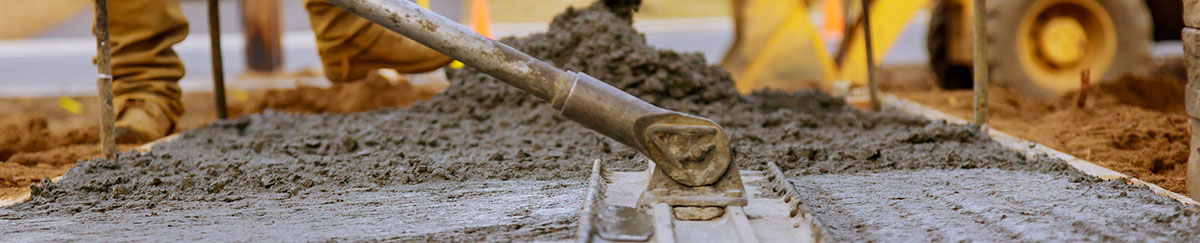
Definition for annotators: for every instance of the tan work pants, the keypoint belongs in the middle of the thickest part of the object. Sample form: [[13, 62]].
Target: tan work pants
[[145, 67]]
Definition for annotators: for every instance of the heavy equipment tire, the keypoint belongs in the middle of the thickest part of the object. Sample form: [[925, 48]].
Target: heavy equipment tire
[[1122, 49], [950, 75]]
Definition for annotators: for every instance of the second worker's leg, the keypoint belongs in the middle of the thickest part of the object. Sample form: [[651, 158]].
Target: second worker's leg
[[351, 46], [145, 68]]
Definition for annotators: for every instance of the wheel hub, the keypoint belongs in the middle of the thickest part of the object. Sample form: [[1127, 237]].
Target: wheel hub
[[1062, 41], [1058, 39]]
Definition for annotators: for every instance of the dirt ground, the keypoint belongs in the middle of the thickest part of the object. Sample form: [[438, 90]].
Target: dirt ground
[[47, 140], [1133, 124]]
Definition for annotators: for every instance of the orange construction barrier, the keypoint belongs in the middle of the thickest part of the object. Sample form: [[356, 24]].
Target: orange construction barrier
[[481, 17], [835, 20]]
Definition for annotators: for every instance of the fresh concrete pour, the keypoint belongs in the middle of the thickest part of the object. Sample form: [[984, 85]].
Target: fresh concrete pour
[[486, 162]]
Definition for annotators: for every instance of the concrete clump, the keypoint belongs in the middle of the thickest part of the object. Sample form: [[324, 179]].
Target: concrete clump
[[485, 162]]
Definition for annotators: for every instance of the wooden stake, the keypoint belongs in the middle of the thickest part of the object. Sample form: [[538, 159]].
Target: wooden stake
[[1085, 83], [264, 32], [214, 31], [981, 64], [108, 142], [872, 85]]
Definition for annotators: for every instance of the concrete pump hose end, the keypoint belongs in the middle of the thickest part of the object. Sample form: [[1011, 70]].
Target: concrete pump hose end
[[691, 150]]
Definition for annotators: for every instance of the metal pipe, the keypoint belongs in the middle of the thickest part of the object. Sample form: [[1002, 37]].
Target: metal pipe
[[214, 32], [461, 43], [872, 85], [108, 142], [981, 63], [691, 150]]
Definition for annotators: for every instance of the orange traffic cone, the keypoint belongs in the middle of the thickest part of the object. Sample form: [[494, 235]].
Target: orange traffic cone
[[481, 17], [835, 20]]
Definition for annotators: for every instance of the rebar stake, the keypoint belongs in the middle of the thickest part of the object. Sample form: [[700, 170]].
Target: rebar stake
[[214, 32], [981, 64], [1085, 83], [872, 85], [108, 142]]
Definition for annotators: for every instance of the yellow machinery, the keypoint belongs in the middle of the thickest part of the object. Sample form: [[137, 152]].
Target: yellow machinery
[[1038, 47]]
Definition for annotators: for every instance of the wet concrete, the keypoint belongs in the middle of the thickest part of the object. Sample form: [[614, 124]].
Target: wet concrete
[[888, 176], [387, 174], [439, 211], [991, 205], [486, 162]]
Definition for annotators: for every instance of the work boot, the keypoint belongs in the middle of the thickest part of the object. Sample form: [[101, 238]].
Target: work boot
[[351, 47], [139, 120]]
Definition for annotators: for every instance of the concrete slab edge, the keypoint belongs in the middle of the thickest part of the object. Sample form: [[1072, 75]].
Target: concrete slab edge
[[1031, 148]]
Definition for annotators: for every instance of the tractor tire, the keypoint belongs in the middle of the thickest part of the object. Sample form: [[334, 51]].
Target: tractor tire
[[1131, 22], [950, 75]]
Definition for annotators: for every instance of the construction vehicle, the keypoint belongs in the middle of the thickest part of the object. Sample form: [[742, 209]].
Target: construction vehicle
[[1041, 56]]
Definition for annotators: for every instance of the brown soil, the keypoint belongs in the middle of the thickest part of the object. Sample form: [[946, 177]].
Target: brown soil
[[1135, 124], [906, 78], [44, 140], [369, 94]]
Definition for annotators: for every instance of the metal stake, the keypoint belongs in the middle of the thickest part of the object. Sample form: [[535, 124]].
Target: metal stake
[[214, 31], [981, 64], [872, 85], [108, 142]]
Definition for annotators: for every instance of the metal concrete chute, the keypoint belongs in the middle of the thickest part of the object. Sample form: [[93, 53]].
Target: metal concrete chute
[[614, 212]]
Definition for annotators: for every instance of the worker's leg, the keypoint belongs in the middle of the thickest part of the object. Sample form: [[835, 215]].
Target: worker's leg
[[145, 68], [351, 46]]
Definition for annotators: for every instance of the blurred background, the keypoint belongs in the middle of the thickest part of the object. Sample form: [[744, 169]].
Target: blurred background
[[46, 46]]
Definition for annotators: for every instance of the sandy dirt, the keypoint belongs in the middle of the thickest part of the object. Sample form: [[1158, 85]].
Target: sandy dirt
[[482, 149], [47, 140], [1135, 124]]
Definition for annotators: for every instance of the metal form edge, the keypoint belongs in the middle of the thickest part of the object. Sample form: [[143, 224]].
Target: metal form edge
[[664, 223], [592, 200], [781, 186], [741, 223]]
